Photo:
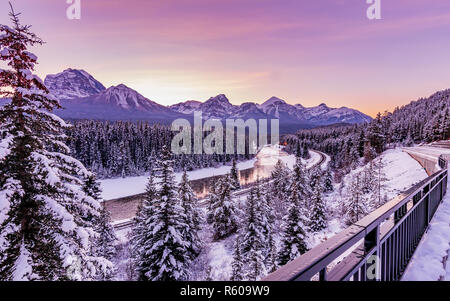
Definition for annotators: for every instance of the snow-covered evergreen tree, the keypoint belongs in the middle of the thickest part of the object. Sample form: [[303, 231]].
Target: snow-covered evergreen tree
[[192, 213], [104, 244], [315, 182], [164, 254], [212, 199], [238, 262], [234, 175], [45, 233], [280, 189], [380, 180], [368, 180], [317, 219], [266, 217], [369, 152], [376, 135], [315, 177], [328, 181], [271, 261], [92, 187], [305, 152], [140, 236], [293, 242], [355, 206], [253, 244], [256, 268], [300, 183], [298, 150], [224, 219]]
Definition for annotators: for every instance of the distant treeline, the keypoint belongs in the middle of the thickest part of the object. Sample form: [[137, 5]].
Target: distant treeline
[[112, 149]]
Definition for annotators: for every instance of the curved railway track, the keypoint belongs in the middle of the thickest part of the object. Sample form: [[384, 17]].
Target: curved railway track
[[244, 191]]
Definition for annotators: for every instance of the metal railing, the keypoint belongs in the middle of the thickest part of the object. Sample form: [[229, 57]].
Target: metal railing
[[443, 161], [379, 246]]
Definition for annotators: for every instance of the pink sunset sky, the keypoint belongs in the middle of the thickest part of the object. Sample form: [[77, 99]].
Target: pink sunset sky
[[305, 52]]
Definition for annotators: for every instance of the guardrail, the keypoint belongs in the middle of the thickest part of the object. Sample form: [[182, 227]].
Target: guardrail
[[443, 161], [379, 246]]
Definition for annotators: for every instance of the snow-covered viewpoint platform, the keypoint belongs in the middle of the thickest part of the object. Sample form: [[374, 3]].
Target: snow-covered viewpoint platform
[[431, 259]]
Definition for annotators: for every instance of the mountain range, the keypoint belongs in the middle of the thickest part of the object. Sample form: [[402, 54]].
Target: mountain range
[[84, 97]]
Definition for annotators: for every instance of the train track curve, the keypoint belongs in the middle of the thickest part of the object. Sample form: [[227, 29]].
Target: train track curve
[[203, 202]]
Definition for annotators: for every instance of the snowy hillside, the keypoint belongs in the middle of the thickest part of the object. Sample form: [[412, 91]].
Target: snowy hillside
[[399, 169]]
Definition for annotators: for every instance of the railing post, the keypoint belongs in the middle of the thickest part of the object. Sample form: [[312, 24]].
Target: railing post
[[427, 204], [417, 197], [401, 212], [371, 241], [323, 274]]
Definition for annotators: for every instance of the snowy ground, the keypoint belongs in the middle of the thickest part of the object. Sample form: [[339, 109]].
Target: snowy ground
[[430, 261]]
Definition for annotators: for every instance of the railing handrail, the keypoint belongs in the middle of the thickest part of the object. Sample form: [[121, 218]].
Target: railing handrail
[[316, 260]]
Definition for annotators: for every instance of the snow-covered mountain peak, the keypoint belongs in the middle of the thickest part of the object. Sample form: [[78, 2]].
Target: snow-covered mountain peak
[[126, 98], [73, 83], [217, 107], [271, 101], [220, 100], [318, 110], [187, 107]]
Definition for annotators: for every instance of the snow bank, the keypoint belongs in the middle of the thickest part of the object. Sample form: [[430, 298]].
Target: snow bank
[[402, 171], [220, 260]]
